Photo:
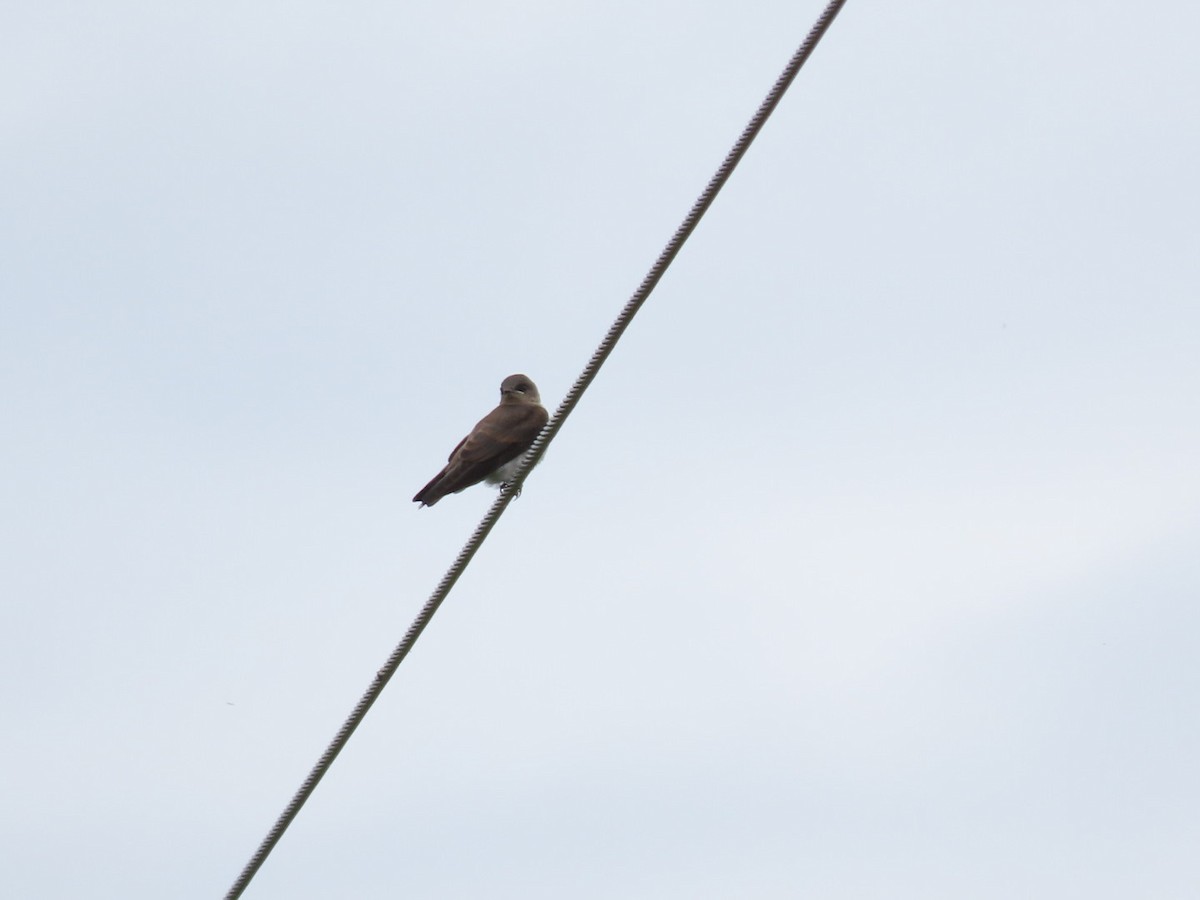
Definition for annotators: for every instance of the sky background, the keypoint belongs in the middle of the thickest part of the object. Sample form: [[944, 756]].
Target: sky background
[[868, 567]]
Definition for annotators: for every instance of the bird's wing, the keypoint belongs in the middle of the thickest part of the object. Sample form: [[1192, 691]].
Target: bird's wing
[[502, 435]]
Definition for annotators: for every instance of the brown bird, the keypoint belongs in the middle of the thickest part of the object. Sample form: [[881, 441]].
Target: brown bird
[[493, 449]]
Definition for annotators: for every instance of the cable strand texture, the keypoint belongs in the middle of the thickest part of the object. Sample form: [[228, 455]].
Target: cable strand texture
[[601, 354]]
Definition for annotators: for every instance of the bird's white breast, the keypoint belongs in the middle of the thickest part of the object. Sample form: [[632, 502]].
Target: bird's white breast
[[505, 472]]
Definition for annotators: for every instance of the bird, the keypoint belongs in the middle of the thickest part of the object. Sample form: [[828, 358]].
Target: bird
[[493, 449]]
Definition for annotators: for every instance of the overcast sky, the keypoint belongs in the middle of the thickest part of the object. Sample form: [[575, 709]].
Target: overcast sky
[[868, 568]]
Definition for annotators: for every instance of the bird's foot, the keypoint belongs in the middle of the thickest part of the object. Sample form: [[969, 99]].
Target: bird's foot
[[507, 486]]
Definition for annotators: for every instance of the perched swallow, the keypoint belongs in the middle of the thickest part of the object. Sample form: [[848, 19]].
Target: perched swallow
[[493, 449]]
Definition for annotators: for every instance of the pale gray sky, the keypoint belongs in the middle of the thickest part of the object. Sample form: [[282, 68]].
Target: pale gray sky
[[867, 569]]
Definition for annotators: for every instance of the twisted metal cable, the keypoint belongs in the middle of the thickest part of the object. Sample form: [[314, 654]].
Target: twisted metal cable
[[682, 233], [535, 452]]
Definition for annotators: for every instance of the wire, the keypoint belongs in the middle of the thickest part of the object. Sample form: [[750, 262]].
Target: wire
[[682, 233]]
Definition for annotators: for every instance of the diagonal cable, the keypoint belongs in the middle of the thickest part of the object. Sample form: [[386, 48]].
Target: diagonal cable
[[682, 233]]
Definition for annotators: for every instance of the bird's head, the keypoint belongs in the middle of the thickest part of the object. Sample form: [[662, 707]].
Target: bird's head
[[519, 389]]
